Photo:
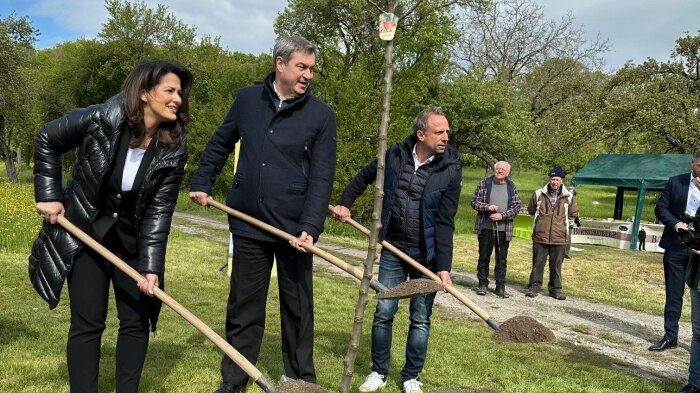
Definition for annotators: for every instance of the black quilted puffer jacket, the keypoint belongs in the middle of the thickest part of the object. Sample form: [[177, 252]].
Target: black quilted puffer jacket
[[95, 131]]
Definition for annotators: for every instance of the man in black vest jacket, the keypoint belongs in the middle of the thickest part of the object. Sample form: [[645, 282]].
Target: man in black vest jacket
[[423, 179], [284, 178]]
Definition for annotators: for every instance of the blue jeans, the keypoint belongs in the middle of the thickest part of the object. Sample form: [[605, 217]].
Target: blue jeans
[[694, 367], [391, 273]]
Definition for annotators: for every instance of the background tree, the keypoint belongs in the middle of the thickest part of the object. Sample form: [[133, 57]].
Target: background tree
[[489, 119], [17, 37], [350, 73], [545, 60], [135, 32], [506, 39], [565, 115], [655, 106]]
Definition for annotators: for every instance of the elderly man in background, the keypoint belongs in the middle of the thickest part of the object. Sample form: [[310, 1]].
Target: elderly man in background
[[551, 207], [497, 202]]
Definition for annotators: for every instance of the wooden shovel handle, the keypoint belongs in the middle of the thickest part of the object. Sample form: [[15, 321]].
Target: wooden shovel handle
[[241, 361], [449, 288], [352, 270]]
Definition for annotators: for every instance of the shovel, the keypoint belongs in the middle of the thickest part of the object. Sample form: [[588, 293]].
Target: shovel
[[241, 361], [449, 288], [352, 270]]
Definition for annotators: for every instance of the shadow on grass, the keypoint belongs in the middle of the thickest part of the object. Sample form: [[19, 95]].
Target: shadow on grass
[[627, 327], [578, 354], [14, 330], [161, 360]]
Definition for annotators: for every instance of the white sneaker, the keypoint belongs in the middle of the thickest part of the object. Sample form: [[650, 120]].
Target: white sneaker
[[373, 382], [412, 386]]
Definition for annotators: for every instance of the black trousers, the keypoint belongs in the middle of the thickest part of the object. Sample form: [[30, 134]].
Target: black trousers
[[245, 314], [540, 253], [675, 264], [487, 243], [88, 286]]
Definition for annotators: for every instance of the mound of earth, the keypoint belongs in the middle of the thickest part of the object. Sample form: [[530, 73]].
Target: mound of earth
[[522, 329], [411, 288], [298, 386]]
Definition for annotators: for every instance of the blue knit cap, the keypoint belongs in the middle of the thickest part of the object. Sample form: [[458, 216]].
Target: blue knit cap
[[557, 171]]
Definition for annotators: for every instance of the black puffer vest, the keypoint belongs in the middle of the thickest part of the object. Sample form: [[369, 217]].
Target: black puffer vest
[[404, 222]]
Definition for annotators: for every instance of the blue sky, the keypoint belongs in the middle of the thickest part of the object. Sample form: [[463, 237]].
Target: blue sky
[[637, 29]]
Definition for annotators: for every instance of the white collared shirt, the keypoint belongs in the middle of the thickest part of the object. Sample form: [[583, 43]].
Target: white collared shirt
[[417, 164], [693, 203], [274, 87]]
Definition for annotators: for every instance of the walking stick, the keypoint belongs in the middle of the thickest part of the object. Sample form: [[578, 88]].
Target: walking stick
[[449, 288], [241, 361]]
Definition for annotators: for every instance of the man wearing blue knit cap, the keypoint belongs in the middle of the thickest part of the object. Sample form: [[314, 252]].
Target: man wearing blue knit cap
[[551, 207]]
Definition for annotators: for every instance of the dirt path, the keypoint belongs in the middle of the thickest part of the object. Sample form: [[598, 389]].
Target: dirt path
[[619, 334]]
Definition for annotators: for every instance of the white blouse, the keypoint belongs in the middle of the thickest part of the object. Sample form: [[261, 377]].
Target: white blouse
[[131, 166]]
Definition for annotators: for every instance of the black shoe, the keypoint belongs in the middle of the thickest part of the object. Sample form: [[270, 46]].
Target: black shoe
[[532, 293], [663, 345], [229, 388], [501, 292], [557, 295], [481, 291], [690, 389]]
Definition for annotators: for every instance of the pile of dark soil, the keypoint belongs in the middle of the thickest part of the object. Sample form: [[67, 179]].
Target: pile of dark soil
[[299, 386], [411, 288], [462, 391], [522, 329]]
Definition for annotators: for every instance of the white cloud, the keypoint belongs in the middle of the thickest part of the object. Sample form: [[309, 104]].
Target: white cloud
[[637, 30], [245, 26], [80, 16]]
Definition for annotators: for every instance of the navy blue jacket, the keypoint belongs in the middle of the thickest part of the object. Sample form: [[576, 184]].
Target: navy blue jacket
[[671, 207], [286, 165], [438, 205]]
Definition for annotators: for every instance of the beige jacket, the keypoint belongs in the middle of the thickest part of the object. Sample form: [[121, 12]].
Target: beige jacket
[[551, 221]]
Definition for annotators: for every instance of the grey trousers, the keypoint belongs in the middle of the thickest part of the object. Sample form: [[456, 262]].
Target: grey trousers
[[540, 252]]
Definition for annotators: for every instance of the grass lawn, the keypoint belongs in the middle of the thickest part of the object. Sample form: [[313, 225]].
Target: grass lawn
[[526, 181], [461, 355]]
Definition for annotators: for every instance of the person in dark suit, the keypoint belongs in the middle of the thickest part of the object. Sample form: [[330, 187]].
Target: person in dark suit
[[130, 163], [680, 196], [284, 178], [642, 238]]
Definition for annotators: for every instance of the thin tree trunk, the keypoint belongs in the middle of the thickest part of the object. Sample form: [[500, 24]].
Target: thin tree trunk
[[356, 333], [9, 163]]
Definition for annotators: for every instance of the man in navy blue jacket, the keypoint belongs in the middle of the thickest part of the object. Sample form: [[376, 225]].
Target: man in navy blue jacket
[[680, 196], [423, 179], [284, 178]]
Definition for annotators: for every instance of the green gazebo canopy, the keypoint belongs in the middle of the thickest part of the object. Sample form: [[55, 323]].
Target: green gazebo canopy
[[633, 171], [639, 172]]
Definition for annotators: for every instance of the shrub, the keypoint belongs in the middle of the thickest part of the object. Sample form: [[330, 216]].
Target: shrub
[[19, 223]]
